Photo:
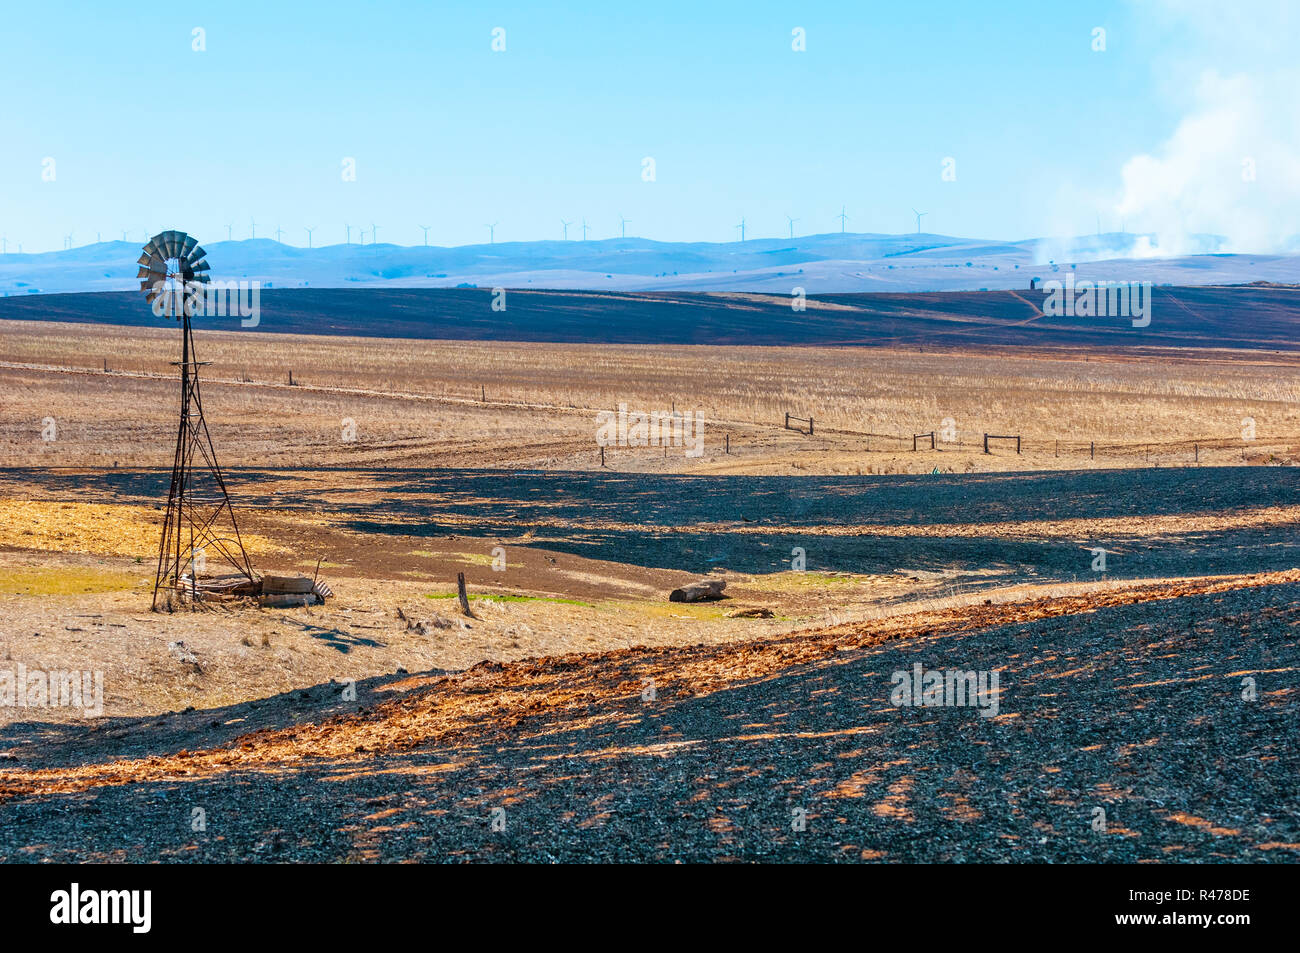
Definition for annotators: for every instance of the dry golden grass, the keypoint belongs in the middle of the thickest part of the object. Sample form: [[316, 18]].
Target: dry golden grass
[[417, 402], [104, 529]]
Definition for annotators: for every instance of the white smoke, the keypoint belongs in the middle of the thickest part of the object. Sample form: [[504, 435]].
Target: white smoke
[[1231, 166]]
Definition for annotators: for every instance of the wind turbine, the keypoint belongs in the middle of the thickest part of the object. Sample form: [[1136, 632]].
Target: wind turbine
[[374, 233], [584, 229], [4, 245], [124, 234], [492, 232], [918, 219], [843, 218], [741, 226], [67, 241], [791, 221], [309, 229], [426, 234], [566, 228], [622, 226], [348, 240], [253, 225], [278, 233], [229, 230]]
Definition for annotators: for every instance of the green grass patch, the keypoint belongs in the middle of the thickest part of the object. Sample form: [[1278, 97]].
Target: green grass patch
[[64, 582], [509, 597]]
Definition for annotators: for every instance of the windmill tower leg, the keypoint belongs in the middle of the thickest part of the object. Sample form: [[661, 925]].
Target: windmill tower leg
[[192, 522]]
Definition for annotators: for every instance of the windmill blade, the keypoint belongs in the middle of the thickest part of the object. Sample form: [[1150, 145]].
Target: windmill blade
[[199, 265], [197, 254], [169, 243], [146, 273], [152, 248], [188, 245]]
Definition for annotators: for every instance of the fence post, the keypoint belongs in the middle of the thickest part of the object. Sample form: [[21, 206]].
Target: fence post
[[462, 594], [728, 440], [1017, 443], [986, 443], [810, 427], [1092, 449], [787, 420], [1196, 450]]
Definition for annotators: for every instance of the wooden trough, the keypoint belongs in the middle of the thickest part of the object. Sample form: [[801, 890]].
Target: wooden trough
[[271, 591]]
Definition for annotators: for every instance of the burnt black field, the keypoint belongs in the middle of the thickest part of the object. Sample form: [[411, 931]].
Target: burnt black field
[[1257, 316]]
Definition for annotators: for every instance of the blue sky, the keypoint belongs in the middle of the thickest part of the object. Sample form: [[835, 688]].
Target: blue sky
[[147, 133]]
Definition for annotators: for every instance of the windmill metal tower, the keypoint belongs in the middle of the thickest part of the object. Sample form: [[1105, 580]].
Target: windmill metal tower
[[565, 225], [622, 227], [843, 218], [791, 221], [200, 520]]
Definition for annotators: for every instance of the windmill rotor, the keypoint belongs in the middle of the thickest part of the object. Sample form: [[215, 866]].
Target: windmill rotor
[[171, 257]]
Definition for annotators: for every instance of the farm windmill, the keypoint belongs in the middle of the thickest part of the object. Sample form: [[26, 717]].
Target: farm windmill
[[172, 276]]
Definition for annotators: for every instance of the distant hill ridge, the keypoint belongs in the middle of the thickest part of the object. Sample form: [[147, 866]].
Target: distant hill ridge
[[847, 262]]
